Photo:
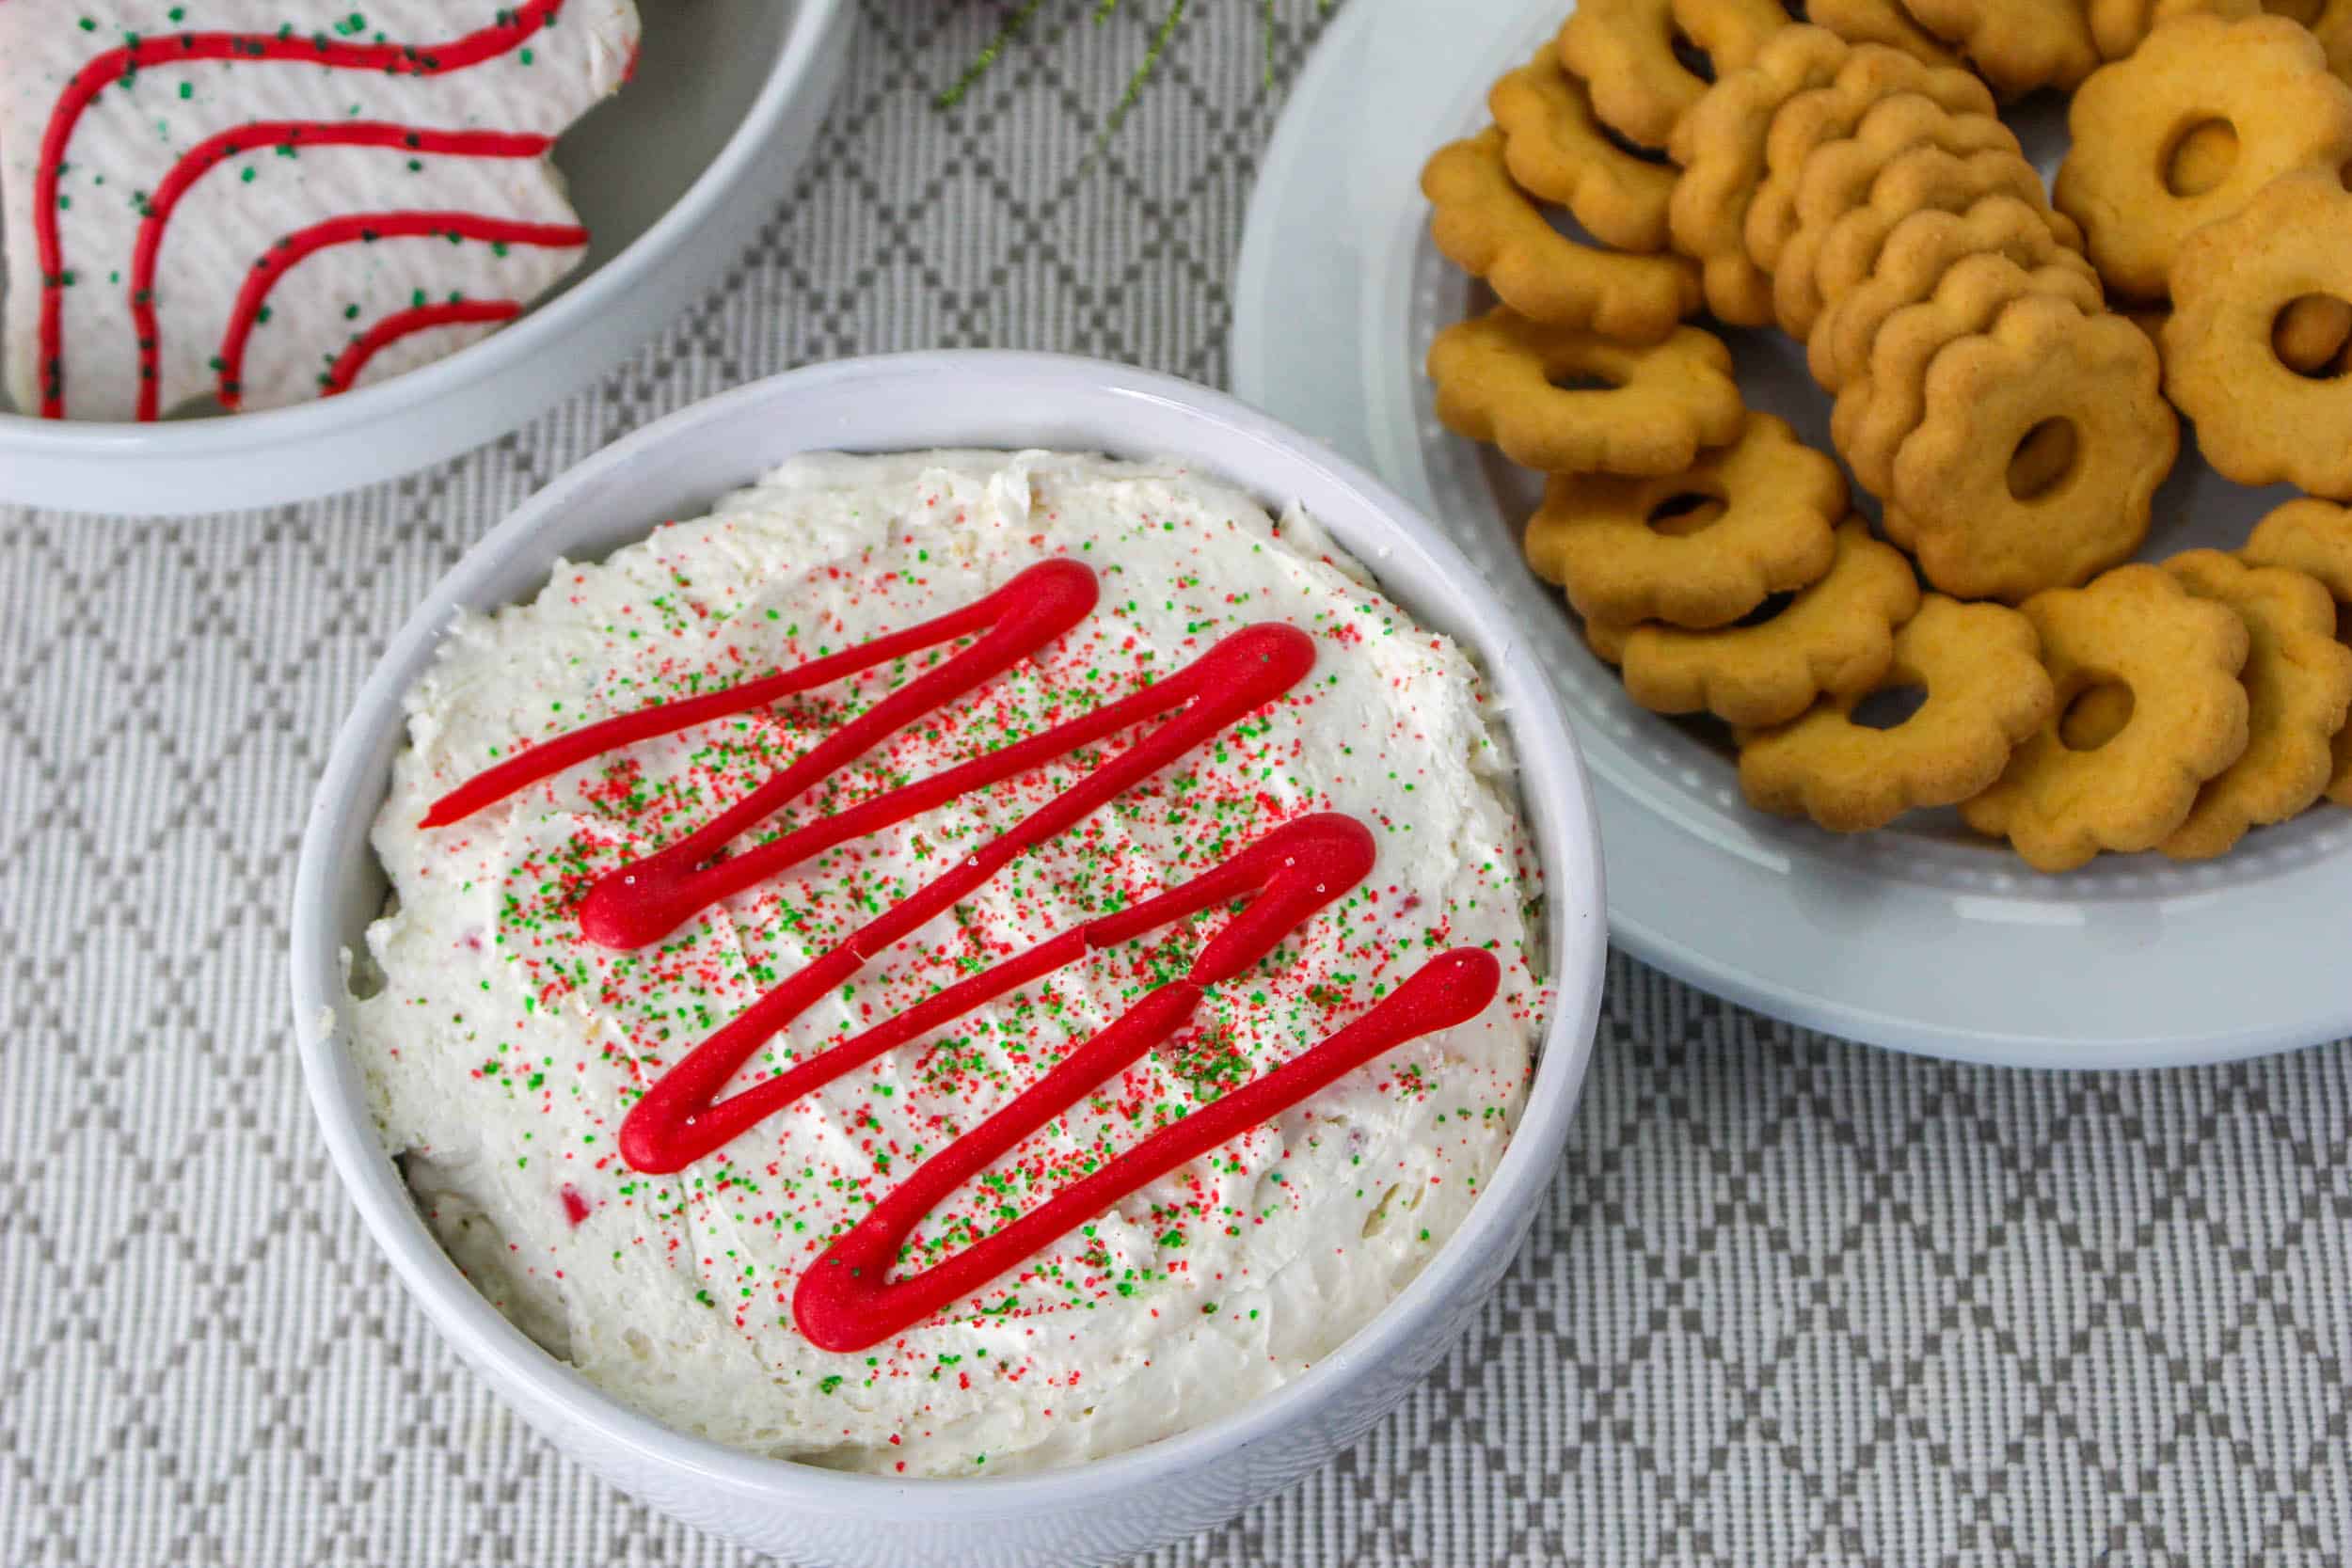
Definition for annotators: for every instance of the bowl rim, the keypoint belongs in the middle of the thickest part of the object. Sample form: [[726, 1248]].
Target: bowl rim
[[1565, 831], [538, 327]]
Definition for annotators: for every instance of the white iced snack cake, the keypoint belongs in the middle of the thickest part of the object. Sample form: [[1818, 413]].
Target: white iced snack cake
[[269, 200]]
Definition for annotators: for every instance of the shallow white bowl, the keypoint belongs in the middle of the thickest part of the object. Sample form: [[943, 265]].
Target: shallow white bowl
[[672, 176], [1114, 1507]]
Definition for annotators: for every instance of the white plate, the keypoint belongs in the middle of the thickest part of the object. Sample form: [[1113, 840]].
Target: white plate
[[672, 177], [1919, 937]]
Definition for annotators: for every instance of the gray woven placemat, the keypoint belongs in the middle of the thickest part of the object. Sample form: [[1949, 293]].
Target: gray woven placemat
[[1794, 1301]]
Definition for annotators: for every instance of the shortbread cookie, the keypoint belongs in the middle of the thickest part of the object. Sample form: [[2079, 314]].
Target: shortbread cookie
[[1626, 50], [1772, 533], [1556, 150], [2315, 537], [2178, 656]]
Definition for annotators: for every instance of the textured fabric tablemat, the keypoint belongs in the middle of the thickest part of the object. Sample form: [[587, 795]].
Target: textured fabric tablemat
[[1794, 1301]]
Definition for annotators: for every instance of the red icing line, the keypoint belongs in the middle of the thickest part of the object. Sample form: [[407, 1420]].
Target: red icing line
[[846, 1302], [403, 324], [210, 153], [361, 228], [121, 65]]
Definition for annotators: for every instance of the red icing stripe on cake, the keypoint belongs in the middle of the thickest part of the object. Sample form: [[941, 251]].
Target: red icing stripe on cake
[[362, 229], [513, 26], [210, 153], [403, 324]]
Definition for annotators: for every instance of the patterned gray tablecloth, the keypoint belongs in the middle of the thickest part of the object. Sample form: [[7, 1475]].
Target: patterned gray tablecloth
[[1794, 1301]]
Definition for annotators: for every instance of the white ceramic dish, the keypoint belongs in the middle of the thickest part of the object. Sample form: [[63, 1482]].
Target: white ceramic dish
[[1921, 938], [672, 176], [1115, 1506]]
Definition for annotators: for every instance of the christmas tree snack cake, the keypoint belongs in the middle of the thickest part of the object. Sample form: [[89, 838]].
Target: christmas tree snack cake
[[262, 202]]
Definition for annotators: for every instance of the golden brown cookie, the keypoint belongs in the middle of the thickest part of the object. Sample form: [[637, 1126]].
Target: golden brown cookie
[[1485, 224], [1980, 669], [1882, 22], [2298, 687], [2119, 26], [1835, 636], [2257, 420], [2315, 537], [1596, 534], [1555, 150], [2017, 45], [1883, 100], [2311, 333], [2267, 79], [1626, 51], [1503, 378], [1918, 253], [2178, 656], [1840, 176], [1923, 181], [1981, 532], [1721, 146], [1878, 409]]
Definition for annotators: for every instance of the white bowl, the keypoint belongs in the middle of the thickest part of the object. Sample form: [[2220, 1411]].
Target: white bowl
[[672, 176], [1114, 1507]]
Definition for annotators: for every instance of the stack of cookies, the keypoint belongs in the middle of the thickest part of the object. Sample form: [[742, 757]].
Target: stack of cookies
[[1876, 208], [1851, 184]]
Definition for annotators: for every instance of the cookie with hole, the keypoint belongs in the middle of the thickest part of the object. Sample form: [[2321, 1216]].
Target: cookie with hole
[[1720, 144], [2039, 447], [1485, 224], [2178, 656], [1832, 637], [1977, 669], [1557, 151], [2258, 421], [2315, 537], [2264, 80], [1649, 61], [1562, 399], [1614, 544], [1877, 410], [2298, 687]]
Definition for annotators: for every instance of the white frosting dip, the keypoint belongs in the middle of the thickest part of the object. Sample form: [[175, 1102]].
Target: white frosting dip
[[503, 1049]]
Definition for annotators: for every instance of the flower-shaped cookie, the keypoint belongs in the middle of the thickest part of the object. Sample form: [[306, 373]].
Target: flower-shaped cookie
[[2257, 420], [1879, 408], [1833, 637], [1984, 690], [2315, 537], [1880, 99], [1720, 144], [2265, 78], [2178, 656], [2298, 685], [2017, 45], [1486, 225], [1627, 51], [1595, 534], [1505, 379], [1555, 149], [1984, 528]]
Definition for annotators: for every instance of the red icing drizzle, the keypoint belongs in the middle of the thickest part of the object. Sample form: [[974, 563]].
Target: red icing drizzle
[[401, 323], [120, 66], [846, 1301], [361, 228], [210, 154]]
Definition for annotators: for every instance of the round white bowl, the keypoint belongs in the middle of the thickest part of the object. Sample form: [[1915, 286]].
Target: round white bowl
[[1114, 1507], [672, 176]]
